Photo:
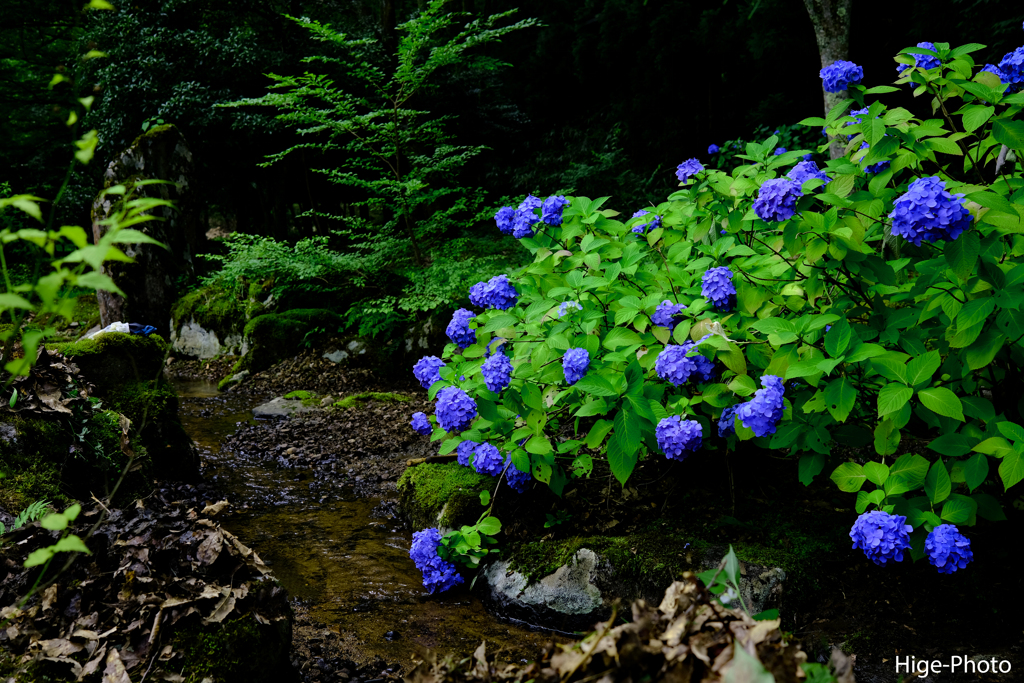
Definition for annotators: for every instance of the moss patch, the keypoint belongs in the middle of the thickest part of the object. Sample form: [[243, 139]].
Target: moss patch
[[213, 308], [116, 357], [359, 400], [238, 651], [449, 490], [276, 336]]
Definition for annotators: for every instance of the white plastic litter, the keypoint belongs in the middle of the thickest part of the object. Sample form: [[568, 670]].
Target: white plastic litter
[[112, 327]]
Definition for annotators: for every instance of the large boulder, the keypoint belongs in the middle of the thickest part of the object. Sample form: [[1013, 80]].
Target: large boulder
[[150, 282]]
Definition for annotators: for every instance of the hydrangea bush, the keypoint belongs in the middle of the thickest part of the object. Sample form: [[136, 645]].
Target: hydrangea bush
[[883, 311]]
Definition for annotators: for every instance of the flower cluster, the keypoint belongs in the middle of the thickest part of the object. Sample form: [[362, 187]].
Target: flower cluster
[[427, 370], [727, 422], [464, 452], [713, 149], [882, 537], [458, 329], [574, 364], [517, 481], [455, 409], [779, 151], [420, 424], [872, 169], [923, 61], [664, 314], [677, 437], [487, 460], [840, 75], [497, 292], [763, 412], [675, 366], [776, 200], [806, 170], [928, 212], [497, 371], [653, 224], [688, 168], [525, 218], [505, 218], [551, 209], [438, 575], [1011, 69], [567, 306], [948, 549], [716, 284]]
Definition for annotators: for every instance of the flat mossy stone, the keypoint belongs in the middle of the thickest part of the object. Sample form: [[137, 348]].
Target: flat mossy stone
[[358, 401], [445, 496], [113, 358], [211, 307]]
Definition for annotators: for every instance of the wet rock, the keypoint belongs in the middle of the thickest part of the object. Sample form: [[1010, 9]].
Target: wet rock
[[281, 407], [191, 339]]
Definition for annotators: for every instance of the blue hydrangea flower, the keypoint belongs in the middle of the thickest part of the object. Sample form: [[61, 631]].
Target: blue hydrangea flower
[[458, 329], [455, 409], [675, 366], [526, 218], [427, 370], [997, 71], [497, 371], [727, 422], [664, 314], [856, 114], [882, 537], [716, 284], [948, 549], [807, 157], [779, 151], [840, 75], [776, 200], [872, 169], [567, 306], [551, 209], [504, 218], [763, 412], [923, 61], [646, 227], [713, 149], [420, 424], [1012, 68], [806, 170], [928, 212], [677, 437], [438, 575], [517, 481], [487, 460], [464, 452], [497, 293], [688, 168], [574, 364]]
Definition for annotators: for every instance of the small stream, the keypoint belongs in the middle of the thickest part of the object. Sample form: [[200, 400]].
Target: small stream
[[349, 566]]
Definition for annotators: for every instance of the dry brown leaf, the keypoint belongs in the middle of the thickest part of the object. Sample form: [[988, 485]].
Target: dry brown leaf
[[223, 609], [49, 595], [209, 550], [215, 509], [114, 672], [93, 664]]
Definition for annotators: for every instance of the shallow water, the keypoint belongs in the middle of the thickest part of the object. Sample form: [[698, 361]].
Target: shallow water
[[350, 567]]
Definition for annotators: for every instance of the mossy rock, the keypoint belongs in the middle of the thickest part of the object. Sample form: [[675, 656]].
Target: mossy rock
[[445, 496], [116, 357], [276, 336], [211, 307], [237, 651], [358, 401]]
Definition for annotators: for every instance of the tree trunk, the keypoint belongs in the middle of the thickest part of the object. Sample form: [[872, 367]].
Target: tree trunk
[[831, 20]]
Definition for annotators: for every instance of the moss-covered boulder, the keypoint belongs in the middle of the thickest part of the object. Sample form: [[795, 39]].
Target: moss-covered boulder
[[274, 337], [131, 414], [445, 496]]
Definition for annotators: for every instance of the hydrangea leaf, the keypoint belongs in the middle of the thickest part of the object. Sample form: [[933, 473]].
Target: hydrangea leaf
[[865, 498], [1007, 132], [840, 397], [937, 485], [975, 470], [983, 351], [921, 368], [620, 459], [876, 472], [906, 474], [809, 467], [942, 401], [849, 477], [953, 445], [1011, 469], [959, 509], [989, 508], [887, 438], [1011, 430]]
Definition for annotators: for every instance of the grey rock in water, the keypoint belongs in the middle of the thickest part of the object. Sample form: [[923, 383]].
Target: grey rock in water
[[194, 340], [281, 407]]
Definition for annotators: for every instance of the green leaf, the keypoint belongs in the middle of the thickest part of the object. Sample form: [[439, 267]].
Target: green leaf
[[489, 526], [837, 339], [70, 543], [962, 253], [627, 427], [975, 312], [887, 437], [864, 351], [975, 470], [98, 281], [994, 445], [809, 467], [499, 322], [1009, 133], [840, 397], [849, 477], [976, 116], [38, 557], [743, 385], [984, 350], [595, 384], [1011, 469], [865, 499], [937, 485], [621, 336], [8, 300], [922, 368], [958, 510], [876, 472], [621, 461], [892, 397], [55, 521], [1011, 430], [539, 445], [942, 401], [906, 474], [989, 508], [953, 445]]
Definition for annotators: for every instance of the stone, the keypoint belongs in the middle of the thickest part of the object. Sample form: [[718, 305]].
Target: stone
[[150, 281], [336, 356], [194, 340], [281, 407]]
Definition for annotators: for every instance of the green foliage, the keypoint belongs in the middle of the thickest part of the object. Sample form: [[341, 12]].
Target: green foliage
[[923, 346], [31, 513], [67, 543]]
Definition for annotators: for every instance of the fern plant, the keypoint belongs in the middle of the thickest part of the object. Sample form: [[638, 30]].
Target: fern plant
[[30, 514]]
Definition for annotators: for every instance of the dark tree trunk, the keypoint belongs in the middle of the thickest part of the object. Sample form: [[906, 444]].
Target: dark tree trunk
[[831, 20]]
